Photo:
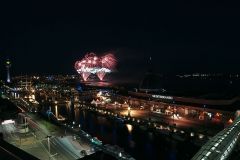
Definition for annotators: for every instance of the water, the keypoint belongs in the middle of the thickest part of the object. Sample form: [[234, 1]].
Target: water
[[139, 143]]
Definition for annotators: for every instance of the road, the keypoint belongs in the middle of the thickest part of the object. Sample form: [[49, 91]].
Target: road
[[65, 150], [62, 146]]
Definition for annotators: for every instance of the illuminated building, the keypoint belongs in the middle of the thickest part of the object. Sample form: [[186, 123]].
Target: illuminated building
[[8, 66]]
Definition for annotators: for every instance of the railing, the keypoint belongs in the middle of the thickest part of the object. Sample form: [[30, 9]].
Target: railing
[[220, 146], [108, 149]]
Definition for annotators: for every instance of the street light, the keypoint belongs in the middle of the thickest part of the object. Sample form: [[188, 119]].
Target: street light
[[65, 128], [25, 124], [115, 106], [50, 156], [173, 118], [120, 154], [48, 138], [129, 111], [174, 115], [204, 106]]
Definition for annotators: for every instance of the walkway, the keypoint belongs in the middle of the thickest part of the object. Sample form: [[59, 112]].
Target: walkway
[[220, 146]]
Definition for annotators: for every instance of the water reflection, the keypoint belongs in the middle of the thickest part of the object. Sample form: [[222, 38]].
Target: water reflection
[[138, 142], [130, 128], [56, 111]]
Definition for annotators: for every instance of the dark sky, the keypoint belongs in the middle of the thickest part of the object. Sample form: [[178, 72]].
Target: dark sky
[[181, 37]]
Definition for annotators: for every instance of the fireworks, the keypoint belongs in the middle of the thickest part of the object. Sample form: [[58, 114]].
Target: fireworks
[[92, 64]]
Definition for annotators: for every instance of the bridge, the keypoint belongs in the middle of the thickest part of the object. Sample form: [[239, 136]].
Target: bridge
[[221, 145]]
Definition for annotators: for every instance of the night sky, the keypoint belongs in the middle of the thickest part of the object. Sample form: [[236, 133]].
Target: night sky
[[181, 37]]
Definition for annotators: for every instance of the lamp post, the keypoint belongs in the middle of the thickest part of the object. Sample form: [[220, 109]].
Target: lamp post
[[173, 117], [174, 108], [115, 106], [48, 139], [25, 124], [49, 149], [129, 111], [65, 128], [149, 111], [205, 121]]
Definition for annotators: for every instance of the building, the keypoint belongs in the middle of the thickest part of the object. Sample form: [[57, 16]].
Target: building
[[8, 66]]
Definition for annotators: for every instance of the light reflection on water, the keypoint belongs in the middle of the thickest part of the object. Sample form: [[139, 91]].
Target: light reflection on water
[[141, 144], [100, 84], [130, 128], [118, 133]]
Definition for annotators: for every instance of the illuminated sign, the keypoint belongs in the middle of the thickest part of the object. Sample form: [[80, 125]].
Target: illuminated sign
[[162, 97]]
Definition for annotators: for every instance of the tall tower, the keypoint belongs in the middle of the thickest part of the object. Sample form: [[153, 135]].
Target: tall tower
[[8, 66]]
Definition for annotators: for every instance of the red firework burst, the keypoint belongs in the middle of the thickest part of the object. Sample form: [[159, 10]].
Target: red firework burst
[[91, 64], [108, 61]]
